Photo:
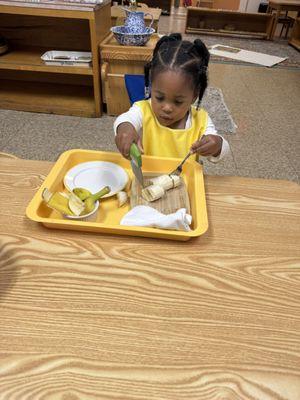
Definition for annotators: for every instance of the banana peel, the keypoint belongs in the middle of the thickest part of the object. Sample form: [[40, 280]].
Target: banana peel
[[88, 198], [65, 203], [57, 201], [89, 202], [82, 193], [71, 203]]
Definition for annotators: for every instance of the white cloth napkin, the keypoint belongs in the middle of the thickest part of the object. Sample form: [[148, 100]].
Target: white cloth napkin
[[148, 216]]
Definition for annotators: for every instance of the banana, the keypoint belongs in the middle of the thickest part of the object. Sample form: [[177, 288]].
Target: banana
[[70, 203], [57, 201], [166, 181], [153, 192], [82, 193], [89, 203], [89, 206], [122, 198], [159, 185], [176, 180]]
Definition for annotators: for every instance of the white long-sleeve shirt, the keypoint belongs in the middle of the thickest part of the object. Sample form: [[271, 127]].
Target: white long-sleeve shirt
[[135, 117]]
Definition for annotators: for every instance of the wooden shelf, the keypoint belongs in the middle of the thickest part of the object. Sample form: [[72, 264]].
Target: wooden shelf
[[295, 37], [295, 43], [31, 29], [29, 59], [215, 22], [116, 61], [47, 98], [224, 33]]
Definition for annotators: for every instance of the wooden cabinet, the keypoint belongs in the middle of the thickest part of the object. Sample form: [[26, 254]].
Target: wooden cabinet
[[295, 37], [228, 23], [32, 29], [165, 5], [116, 61], [203, 3], [226, 4], [218, 4]]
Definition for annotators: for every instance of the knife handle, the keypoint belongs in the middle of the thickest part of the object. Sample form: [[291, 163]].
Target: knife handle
[[136, 154]]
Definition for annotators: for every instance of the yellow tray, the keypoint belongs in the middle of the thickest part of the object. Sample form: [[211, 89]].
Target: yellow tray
[[109, 215]]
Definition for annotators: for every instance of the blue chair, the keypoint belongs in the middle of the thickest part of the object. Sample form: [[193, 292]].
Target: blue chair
[[135, 86]]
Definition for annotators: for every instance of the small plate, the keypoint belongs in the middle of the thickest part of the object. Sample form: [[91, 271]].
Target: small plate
[[94, 175]]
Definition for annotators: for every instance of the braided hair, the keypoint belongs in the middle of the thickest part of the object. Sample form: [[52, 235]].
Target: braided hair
[[171, 52]]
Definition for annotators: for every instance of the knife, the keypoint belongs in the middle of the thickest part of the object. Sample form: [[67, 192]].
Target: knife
[[136, 163]]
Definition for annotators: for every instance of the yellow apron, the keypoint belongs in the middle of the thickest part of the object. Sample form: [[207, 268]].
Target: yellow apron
[[162, 141]]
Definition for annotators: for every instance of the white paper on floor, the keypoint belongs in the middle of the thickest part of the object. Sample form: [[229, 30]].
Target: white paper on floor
[[245, 55]]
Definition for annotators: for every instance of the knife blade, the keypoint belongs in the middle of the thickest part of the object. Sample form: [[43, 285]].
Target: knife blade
[[136, 163]]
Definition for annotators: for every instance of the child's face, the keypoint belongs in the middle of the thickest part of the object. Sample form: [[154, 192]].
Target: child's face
[[171, 97]]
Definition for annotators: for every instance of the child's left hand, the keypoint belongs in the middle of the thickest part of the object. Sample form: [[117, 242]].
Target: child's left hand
[[208, 145]]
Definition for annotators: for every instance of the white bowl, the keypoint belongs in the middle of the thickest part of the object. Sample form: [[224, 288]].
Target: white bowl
[[86, 217]]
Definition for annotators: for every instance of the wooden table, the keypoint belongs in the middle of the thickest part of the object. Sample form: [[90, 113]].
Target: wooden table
[[87, 316], [279, 6]]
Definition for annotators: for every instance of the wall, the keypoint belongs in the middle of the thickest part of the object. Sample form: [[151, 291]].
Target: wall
[[251, 7], [227, 4]]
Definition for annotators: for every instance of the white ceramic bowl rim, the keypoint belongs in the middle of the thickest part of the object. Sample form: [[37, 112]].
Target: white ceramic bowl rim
[[79, 217]]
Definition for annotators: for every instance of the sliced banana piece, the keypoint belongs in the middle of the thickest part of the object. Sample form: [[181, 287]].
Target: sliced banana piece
[[153, 192], [176, 180], [122, 198], [163, 180], [166, 181]]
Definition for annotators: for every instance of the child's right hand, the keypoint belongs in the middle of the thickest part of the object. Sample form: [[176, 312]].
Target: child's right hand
[[126, 135]]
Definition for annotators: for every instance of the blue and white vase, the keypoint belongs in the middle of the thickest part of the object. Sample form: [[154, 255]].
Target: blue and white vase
[[134, 22]]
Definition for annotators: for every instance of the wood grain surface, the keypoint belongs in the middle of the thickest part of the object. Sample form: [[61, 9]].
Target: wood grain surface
[[87, 316], [173, 199]]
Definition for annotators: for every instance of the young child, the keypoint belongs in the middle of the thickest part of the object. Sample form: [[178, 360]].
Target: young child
[[168, 124]]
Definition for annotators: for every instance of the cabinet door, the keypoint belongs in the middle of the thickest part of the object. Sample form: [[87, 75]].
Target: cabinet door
[[226, 4]]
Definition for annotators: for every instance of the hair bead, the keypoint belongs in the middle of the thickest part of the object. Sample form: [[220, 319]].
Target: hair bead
[[147, 92]]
